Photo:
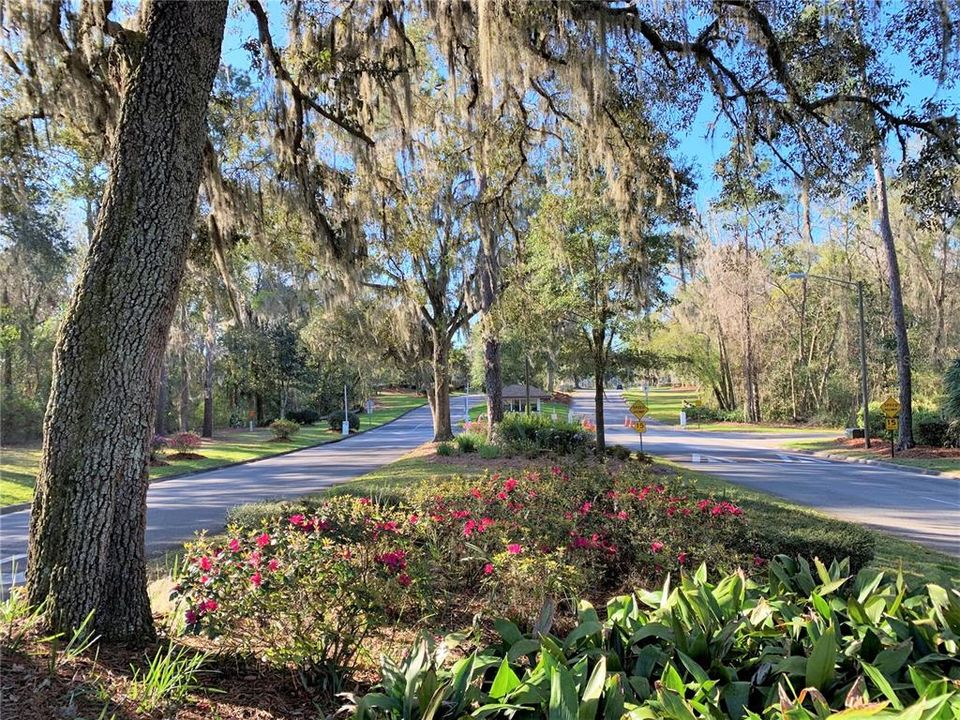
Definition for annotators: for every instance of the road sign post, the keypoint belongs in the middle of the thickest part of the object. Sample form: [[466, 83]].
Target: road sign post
[[890, 408]]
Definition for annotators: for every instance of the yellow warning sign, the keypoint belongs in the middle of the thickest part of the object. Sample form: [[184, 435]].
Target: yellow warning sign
[[893, 423], [639, 409], [640, 426], [890, 406]]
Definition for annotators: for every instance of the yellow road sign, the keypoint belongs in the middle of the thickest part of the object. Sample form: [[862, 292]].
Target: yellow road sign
[[698, 402], [640, 426], [890, 406], [893, 423], [639, 409]]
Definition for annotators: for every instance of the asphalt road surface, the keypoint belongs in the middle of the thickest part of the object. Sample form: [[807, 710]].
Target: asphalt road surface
[[179, 506], [918, 507]]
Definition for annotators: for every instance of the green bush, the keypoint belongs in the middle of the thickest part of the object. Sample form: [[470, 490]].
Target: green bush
[[618, 452], [22, 419], [284, 429], [488, 451], [523, 433], [810, 643], [469, 442], [446, 449], [335, 421], [827, 540], [952, 438], [931, 431], [304, 416], [877, 421], [951, 387]]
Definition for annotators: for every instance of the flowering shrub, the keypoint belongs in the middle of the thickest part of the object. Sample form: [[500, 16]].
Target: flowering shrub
[[478, 426], [184, 442], [284, 429]]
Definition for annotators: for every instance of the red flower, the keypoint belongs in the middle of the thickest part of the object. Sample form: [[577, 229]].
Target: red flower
[[476, 493], [205, 563], [414, 519], [485, 523], [501, 495], [263, 540], [204, 579], [210, 605], [256, 579], [460, 514], [468, 527], [364, 500], [404, 579], [234, 545], [585, 508], [394, 561], [191, 617], [273, 565], [254, 558], [296, 519], [656, 546], [514, 548], [622, 515], [682, 558], [510, 485], [488, 569]]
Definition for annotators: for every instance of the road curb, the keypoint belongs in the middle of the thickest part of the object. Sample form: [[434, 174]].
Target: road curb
[[10, 509], [868, 461]]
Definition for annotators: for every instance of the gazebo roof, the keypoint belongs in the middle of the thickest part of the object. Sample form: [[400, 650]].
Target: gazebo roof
[[519, 392]]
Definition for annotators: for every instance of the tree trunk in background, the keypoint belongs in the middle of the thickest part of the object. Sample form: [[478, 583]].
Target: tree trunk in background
[[896, 303], [209, 349], [86, 547], [751, 407], [440, 391], [7, 355], [163, 400], [489, 286], [599, 370], [184, 375]]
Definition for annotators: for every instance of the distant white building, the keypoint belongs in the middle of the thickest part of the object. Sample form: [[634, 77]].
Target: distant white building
[[515, 398]]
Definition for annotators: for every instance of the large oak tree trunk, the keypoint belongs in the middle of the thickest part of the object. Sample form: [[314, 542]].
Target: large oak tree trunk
[[489, 289], [86, 548], [440, 392], [904, 374]]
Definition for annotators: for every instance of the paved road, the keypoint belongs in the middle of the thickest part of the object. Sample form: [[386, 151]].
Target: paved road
[[178, 507], [922, 508]]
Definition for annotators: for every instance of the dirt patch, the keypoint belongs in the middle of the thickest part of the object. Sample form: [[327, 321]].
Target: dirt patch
[[186, 456], [881, 448]]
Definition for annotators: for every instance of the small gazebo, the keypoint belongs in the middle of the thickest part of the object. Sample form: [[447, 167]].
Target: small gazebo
[[515, 397]]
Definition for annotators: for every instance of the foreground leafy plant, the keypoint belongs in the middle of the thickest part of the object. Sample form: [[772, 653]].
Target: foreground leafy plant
[[170, 677], [808, 643]]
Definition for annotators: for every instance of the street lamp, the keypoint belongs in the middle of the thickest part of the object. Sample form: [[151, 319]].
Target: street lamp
[[863, 342]]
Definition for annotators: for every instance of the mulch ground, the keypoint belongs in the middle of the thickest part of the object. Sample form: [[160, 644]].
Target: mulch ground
[[881, 448], [186, 456]]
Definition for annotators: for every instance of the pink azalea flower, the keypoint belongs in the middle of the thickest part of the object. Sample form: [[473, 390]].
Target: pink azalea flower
[[364, 501], [205, 563], [656, 546], [476, 493], [254, 558], [488, 569], [510, 485], [191, 617], [256, 579], [204, 579], [682, 558], [414, 519], [296, 519], [273, 565], [468, 527], [501, 495], [514, 548], [234, 545], [263, 540], [210, 605], [404, 580]]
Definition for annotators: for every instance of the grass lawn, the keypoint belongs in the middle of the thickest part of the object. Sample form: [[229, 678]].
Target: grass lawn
[[18, 466], [949, 466], [665, 404]]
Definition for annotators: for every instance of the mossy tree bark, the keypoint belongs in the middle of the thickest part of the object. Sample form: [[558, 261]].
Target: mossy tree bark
[[86, 549]]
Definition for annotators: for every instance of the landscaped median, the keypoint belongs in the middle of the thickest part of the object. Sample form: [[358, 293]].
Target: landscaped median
[[18, 465], [603, 588]]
